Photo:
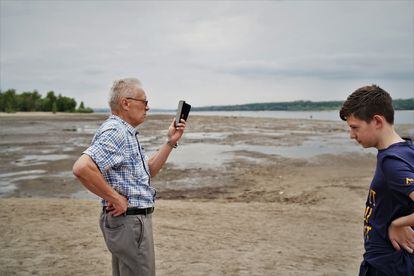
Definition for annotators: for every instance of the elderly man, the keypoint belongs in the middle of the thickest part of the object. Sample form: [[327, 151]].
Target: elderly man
[[116, 169]]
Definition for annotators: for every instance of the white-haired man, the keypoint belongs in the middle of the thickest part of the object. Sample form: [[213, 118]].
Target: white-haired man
[[116, 169]]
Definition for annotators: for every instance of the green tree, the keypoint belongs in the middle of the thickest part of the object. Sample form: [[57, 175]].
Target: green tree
[[48, 101], [27, 101], [9, 101], [36, 97], [82, 109], [54, 107], [65, 104], [1, 101]]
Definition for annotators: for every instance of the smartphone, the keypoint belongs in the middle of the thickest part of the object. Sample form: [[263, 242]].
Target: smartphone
[[182, 111]]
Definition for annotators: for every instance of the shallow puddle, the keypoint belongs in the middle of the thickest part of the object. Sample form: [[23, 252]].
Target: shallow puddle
[[11, 149], [314, 146], [207, 135], [86, 129], [200, 155], [31, 172], [7, 179], [30, 160], [84, 194]]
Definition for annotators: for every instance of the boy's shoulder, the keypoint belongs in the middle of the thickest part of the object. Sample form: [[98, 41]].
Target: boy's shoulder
[[399, 149], [398, 154]]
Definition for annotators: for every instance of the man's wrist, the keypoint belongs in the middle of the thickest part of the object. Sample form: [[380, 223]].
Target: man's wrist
[[172, 145], [118, 199]]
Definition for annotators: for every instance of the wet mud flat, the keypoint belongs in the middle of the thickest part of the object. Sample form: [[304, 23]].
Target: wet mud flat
[[230, 158], [240, 196]]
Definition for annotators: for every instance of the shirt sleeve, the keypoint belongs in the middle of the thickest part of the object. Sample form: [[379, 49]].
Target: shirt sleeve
[[400, 175], [107, 149]]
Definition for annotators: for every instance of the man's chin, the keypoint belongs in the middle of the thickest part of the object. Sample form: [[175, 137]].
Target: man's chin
[[143, 119], [140, 121]]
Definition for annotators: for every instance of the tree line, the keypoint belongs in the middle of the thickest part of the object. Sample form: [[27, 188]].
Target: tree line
[[10, 101], [399, 104]]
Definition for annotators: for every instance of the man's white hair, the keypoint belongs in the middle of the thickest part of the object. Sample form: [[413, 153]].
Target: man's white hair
[[123, 88]]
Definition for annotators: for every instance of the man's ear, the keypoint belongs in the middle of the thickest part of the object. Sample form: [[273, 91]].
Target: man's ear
[[124, 104], [379, 121]]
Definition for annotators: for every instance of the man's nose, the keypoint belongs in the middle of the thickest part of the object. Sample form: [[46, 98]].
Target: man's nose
[[352, 135]]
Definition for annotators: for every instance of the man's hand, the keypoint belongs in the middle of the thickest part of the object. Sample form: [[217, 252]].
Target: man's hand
[[401, 237], [176, 131], [118, 208], [158, 159]]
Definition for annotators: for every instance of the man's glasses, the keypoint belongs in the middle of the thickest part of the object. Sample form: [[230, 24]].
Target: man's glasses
[[139, 100]]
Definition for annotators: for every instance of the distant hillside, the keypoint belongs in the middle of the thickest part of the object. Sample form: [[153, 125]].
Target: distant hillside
[[399, 104]]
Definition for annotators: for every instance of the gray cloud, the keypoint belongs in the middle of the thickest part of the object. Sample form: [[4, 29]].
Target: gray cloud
[[208, 53], [326, 67]]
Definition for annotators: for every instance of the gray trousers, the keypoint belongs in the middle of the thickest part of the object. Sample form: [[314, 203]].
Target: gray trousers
[[130, 240]]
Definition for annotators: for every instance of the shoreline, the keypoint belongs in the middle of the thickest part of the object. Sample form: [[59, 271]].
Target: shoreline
[[315, 115]]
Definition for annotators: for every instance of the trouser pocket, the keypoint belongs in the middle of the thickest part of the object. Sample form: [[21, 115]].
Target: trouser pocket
[[123, 234], [138, 229]]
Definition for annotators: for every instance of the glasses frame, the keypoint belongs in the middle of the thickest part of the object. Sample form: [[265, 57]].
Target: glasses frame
[[138, 100]]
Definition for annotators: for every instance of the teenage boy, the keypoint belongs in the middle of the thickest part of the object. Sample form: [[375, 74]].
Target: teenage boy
[[389, 213]]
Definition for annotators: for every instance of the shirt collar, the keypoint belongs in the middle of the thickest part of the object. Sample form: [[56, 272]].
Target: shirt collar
[[130, 128]]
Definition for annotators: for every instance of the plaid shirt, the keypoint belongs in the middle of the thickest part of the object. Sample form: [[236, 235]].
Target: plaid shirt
[[116, 151]]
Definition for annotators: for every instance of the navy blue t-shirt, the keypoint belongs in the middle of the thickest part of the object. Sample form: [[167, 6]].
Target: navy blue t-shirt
[[388, 199]]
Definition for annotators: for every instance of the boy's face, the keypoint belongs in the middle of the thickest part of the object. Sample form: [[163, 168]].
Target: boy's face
[[364, 133]]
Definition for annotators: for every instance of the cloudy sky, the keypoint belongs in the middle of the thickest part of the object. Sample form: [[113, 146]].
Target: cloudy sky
[[208, 53]]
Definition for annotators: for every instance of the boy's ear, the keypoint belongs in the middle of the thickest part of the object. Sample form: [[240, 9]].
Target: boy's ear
[[379, 121]]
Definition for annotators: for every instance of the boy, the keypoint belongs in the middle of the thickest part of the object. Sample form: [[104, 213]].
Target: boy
[[389, 213]]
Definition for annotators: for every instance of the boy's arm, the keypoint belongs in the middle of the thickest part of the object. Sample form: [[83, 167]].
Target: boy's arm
[[407, 220], [399, 177], [401, 232]]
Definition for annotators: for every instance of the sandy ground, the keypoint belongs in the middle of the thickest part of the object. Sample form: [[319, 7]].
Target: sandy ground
[[254, 214], [61, 237]]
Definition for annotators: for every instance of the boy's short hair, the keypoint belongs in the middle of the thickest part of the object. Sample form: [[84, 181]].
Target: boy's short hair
[[366, 102]]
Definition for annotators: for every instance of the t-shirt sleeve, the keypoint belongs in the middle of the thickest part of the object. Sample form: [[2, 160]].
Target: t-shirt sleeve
[[400, 174], [107, 149]]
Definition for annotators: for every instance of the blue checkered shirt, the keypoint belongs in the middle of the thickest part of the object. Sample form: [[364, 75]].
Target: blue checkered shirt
[[117, 152]]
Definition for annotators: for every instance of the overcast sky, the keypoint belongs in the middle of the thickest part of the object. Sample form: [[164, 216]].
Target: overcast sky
[[208, 53]]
